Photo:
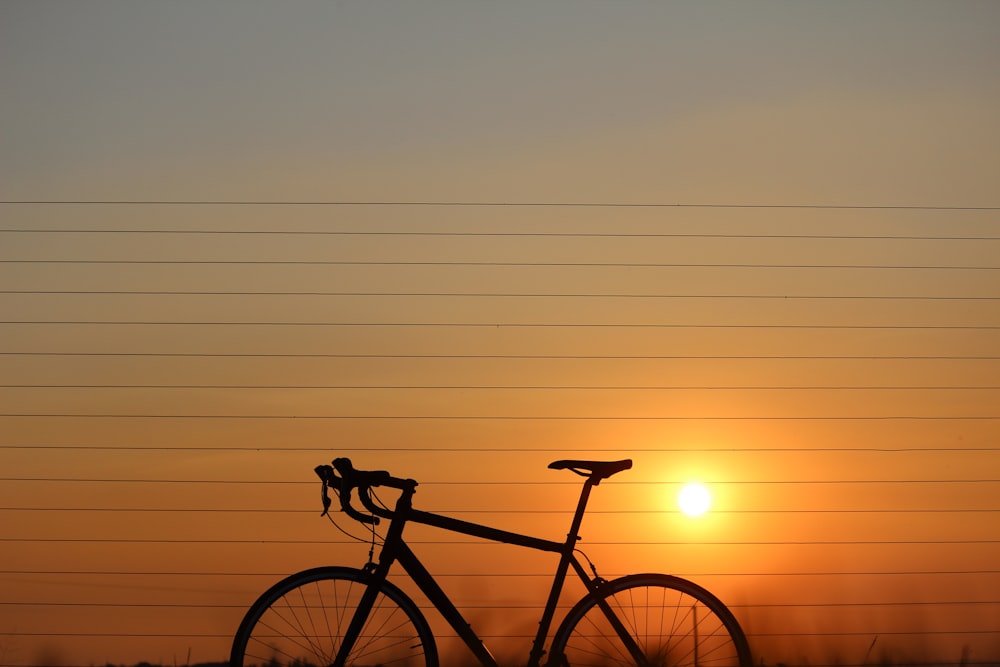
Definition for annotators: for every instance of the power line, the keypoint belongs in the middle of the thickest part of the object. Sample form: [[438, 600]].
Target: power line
[[560, 512], [506, 450], [204, 635], [734, 543], [862, 573], [241, 482], [510, 325], [495, 204], [407, 387], [511, 295], [415, 417], [629, 265], [525, 606], [479, 450], [648, 357], [533, 234]]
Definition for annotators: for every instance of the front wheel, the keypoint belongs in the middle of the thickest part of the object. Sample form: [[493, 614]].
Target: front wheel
[[301, 620], [650, 620]]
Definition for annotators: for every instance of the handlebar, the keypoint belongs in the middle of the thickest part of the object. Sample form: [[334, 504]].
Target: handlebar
[[349, 479]]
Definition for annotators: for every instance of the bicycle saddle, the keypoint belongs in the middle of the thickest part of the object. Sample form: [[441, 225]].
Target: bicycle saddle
[[596, 470]]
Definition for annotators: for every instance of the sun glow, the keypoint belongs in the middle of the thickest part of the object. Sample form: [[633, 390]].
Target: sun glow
[[694, 499]]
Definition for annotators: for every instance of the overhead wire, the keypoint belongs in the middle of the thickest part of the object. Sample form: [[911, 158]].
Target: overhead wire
[[494, 204]]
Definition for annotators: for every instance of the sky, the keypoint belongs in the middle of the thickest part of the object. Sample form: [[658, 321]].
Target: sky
[[750, 244]]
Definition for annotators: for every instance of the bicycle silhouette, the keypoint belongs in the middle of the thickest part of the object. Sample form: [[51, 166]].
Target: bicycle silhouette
[[350, 617]]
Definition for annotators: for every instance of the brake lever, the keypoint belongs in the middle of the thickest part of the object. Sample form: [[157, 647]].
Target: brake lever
[[324, 472]]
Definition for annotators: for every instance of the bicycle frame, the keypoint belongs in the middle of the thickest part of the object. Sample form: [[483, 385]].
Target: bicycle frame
[[395, 549]]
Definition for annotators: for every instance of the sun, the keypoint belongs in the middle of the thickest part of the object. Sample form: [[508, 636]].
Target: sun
[[694, 499]]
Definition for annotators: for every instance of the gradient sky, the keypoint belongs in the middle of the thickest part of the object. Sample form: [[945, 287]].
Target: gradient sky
[[803, 312]]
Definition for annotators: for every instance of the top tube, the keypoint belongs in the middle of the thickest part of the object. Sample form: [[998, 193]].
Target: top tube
[[364, 481]]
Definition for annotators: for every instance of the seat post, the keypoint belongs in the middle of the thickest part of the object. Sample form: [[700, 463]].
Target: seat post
[[581, 506]]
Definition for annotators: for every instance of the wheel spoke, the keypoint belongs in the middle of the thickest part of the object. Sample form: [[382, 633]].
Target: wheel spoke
[[673, 622], [303, 619]]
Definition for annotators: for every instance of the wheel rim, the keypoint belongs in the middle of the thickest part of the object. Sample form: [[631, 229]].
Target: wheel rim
[[671, 628], [304, 625]]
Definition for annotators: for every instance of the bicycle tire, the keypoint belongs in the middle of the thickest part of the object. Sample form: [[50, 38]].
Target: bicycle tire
[[301, 619], [672, 621]]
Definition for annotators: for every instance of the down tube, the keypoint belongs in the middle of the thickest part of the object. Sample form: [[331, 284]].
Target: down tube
[[430, 588]]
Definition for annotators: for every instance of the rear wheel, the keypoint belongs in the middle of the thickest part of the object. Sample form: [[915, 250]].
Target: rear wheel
[[301, 620], [665, 620]]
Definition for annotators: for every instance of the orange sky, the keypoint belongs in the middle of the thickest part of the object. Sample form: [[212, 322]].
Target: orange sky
[[815, 336]]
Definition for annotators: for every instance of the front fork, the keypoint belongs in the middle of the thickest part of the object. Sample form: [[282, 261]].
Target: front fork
[[373, 585], [376, 575]]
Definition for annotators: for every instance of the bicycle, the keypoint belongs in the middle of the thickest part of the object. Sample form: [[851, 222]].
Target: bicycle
[[352, 617]]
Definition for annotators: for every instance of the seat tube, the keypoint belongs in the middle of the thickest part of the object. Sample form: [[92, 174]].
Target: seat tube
[[581, 506], [623, 633], [565, 559]]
